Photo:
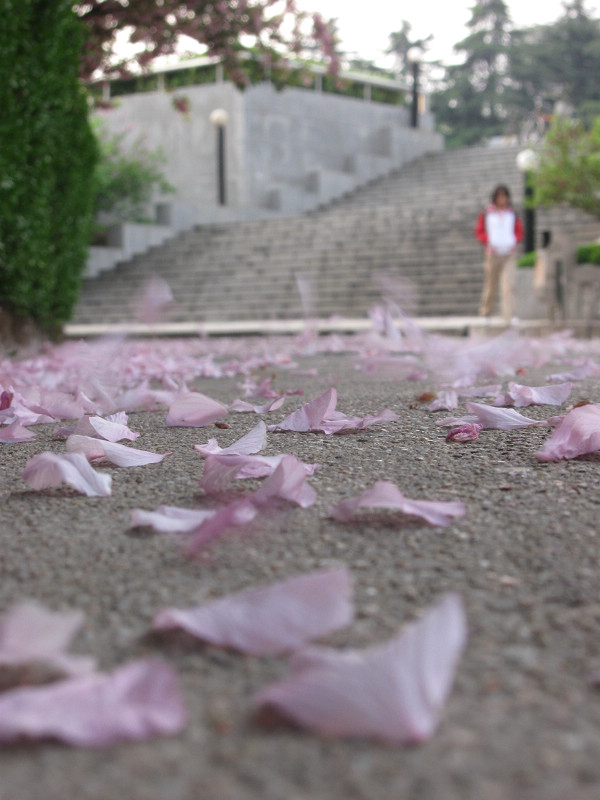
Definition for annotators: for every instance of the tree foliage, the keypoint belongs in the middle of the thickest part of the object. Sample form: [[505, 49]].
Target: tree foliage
[[126, 175], [508, 75], [569, 167], [471, 103], [47, 154], [274, 28]]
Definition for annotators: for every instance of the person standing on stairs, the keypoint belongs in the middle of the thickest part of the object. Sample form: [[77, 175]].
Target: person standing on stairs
[[500, 229]]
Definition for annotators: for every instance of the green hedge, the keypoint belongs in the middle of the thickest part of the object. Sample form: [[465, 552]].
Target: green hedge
[[527, 260], [588, 254], [47, 157]]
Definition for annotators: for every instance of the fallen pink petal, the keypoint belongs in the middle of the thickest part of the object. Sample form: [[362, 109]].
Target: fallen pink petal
[[48, 470], [253, 442], [467, 432], [394, 692], [120, 455], [169, 519], [15, 432], [111, 430], [502, 419], [319, 416], [195, 410], [220, 469], [575, 435], [309, 416], [273, 619], [135, 702], [32, 634], [385, 494], [520, 396], [447, 400]]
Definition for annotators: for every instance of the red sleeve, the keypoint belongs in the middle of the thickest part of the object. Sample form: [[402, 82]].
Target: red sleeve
[[480, 231], [519, 232]]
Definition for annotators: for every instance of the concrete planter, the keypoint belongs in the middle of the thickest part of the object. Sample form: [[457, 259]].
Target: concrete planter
[[527, 303]]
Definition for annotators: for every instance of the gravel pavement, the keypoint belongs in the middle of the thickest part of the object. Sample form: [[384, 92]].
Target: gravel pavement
[[523, 717]]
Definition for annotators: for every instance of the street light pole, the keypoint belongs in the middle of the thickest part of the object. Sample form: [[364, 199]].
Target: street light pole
[[219, 118], [527, 162], [414, 58]]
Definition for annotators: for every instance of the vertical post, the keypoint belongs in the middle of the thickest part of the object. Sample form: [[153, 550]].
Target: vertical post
[[529, 213], [413, 57], [221, 164], [219, 118], [414, 109]]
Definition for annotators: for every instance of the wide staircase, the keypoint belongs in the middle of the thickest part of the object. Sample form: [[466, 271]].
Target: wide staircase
[[412, 228]]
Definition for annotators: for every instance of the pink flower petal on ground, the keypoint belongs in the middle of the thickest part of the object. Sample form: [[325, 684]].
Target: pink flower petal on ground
[[273, 619], [578, 373], [238, 514], [118, 454], [48, 470], [578, 433], [15, 432], [385, 494], [464, 433], [220, 469], [502, 419], [30, 634], [242, 406], [169, 519], [394, 692], [521, 396], [320, 416], [107, 429], [134, 702], [58, 405], [287, 482], [446, 400], [339, 423], [253, 442], [192, 409], [309, 416]]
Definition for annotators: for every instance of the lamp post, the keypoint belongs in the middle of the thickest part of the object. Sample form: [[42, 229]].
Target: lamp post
[[219, 118], [414, 59], [527, 162]]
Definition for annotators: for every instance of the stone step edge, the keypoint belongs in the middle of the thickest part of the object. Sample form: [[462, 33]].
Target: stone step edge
[[289, 326]]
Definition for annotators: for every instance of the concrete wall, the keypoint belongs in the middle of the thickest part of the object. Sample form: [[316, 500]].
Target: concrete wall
[[305, 146]]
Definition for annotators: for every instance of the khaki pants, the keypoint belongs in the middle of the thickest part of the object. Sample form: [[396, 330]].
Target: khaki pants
[[499, 269]]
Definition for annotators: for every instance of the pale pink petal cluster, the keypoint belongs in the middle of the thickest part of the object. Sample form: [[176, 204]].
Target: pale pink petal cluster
[[319, 416]]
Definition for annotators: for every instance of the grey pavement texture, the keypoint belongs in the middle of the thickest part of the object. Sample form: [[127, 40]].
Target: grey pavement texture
[[523, 717]]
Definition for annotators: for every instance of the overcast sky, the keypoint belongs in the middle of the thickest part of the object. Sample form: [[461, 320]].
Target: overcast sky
[[365, 27]]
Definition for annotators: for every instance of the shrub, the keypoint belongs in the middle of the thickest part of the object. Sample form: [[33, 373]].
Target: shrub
[[125, 176], [47, 154], [588, 253], [527, 259]]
